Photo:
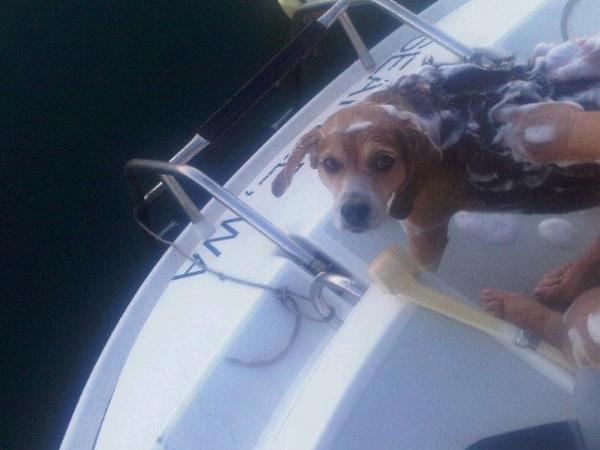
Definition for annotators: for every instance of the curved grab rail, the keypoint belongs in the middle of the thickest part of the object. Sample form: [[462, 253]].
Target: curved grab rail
[[226, 198], [95, 398], [284, 61], [406, 16], [87, 419], [335, 281]]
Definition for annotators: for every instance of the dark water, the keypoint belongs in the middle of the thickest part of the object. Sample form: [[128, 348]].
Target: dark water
[[85, 87]]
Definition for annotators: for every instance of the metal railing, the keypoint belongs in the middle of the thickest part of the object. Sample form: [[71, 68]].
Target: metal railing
[[312, 262], [401, 13], [335, 282], [92, 406], [183, 156], [317, 265], [245, 98], [288, 58]]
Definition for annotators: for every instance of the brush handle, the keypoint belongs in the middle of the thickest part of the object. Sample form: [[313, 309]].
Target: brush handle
[[555, 355], [390, 271], [433, 300], [436, 301]]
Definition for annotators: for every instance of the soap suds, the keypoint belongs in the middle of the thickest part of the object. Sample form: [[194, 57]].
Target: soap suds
[[481, 177], [579, 353], [557, 232], [503, 187], [575, 60], [539, 134], [430, 124], [510, 135], [393, 111], [358, 126], [593, 327], [496, 228], [404, 115]]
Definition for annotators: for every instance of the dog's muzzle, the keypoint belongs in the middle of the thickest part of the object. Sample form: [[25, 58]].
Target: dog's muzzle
[[356, 214], [358, 209]]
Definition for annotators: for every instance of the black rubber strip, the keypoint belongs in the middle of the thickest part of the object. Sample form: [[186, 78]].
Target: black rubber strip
[[262, 82]]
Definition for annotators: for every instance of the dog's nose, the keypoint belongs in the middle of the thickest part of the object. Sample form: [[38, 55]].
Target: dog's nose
[[355, 213]]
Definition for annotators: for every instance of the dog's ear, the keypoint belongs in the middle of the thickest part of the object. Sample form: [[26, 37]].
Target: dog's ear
[[403, 201], [307, 144], [419, 152]]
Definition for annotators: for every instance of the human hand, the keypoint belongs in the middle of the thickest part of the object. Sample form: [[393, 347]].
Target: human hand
[[537, 132]]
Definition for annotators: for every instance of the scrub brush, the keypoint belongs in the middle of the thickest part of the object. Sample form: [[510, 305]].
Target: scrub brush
[[396, 272]]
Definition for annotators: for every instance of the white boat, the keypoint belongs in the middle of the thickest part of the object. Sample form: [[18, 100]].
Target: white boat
[[198, 361]]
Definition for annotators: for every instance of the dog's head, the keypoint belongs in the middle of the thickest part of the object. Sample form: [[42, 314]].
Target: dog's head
[[369, 156]]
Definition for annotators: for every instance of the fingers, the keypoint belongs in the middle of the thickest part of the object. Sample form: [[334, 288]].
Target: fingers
[[494, 307], [557, 271], [548, 293], [549, 289]]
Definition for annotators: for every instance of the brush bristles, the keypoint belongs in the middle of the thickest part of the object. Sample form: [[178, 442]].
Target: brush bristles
[[407, 260], [394, 269]]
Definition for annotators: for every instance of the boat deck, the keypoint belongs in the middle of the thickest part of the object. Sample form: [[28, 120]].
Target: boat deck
[[434, 384]]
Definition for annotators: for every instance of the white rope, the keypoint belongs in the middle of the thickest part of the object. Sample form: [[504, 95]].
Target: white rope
[[286, 296]]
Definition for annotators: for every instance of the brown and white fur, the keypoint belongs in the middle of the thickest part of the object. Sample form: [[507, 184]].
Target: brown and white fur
[[377, 158], [393, 154]]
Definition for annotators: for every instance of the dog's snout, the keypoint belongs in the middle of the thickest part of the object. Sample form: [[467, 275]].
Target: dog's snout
[[355, 213]]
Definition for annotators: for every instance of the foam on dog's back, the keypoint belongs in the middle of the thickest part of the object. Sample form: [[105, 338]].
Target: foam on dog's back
[[558, 232], [496, 228]]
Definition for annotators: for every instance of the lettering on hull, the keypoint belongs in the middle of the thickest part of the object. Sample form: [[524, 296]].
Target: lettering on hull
[[193, 269]]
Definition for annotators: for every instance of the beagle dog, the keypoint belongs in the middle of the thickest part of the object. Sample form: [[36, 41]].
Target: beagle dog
[[411, 153], [378, 158]]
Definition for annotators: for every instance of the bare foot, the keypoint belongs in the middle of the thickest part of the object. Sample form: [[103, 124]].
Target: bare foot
[[564, 284], [524, 312]]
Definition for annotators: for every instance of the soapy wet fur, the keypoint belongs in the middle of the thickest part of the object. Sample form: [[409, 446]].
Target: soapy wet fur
[[454, 115]]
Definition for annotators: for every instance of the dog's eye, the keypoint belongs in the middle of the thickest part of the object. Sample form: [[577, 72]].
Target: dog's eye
[[383, 162], [331, 165]]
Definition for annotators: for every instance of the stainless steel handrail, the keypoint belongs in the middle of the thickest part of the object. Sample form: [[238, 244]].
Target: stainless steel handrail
[[337, 11], [183, 156], [312, 262], [403, 14], [359, 46]]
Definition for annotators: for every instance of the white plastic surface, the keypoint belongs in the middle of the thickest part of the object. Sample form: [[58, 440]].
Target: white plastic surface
[[192, 321], [396, 376]]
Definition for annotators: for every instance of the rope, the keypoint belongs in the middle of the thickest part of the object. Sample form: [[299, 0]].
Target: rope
[[287, 297]]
